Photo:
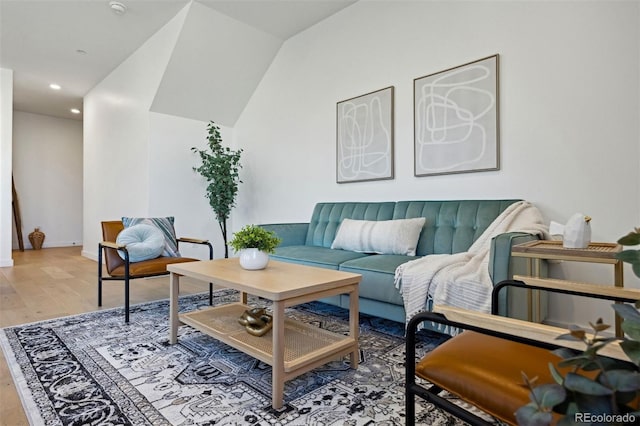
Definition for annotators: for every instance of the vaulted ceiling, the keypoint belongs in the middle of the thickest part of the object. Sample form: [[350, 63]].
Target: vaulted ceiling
[[221, 54]]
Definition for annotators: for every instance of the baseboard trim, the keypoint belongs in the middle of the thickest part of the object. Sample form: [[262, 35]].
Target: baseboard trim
[[89, 255]]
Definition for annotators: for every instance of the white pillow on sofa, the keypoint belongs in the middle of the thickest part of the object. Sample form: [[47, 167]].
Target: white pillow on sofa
[[398, 236]]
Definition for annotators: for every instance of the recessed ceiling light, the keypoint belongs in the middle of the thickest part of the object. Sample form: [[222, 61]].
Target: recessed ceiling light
[[117, 7], [55, 86], [75, 110]]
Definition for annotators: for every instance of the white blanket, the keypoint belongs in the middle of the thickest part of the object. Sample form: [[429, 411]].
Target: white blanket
[[462, 279]]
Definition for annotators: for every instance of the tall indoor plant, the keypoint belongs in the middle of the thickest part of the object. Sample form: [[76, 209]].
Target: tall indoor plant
[[220, 167]]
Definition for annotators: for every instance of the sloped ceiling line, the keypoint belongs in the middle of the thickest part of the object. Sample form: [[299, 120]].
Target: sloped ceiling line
[[224, 57], [215, 67]]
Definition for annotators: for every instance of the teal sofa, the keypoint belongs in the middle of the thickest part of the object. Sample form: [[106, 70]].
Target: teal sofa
[[450, 227]]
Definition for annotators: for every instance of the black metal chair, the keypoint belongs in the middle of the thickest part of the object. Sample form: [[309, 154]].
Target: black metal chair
[[483, 364], [124, 270]]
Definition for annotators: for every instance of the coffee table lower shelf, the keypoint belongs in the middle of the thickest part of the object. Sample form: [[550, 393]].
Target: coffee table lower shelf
[[305, 346]]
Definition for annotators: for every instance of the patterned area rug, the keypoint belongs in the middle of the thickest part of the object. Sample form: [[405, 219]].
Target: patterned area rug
[[92, 369]]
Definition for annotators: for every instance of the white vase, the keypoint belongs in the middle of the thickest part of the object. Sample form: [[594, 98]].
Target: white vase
[[252, 259]]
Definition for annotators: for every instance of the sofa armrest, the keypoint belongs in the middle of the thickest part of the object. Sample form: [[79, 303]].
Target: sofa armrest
[[501, 264], [291, 234]]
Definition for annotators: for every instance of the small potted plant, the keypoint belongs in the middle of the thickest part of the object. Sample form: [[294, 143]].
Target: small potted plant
[[254, 244]]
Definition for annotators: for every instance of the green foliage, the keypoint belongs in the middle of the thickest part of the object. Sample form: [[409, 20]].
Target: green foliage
[[631, 256], [615, 387], [221, 169], [253, 236]]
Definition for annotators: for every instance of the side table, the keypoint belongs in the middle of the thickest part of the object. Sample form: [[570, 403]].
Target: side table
[[536, 251]]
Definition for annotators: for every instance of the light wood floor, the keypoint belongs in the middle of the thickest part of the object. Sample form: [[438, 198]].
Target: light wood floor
[[56, 282]]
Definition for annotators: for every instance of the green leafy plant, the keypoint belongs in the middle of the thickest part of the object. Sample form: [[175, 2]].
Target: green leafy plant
[[596, 385], [221, 169], [254, 236], [631, 256]]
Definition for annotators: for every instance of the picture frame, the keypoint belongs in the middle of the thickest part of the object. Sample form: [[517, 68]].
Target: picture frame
[[456, 119], [365, 137]]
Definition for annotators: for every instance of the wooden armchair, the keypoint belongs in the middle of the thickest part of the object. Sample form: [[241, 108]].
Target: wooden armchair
[[483, 365], [124, 270]]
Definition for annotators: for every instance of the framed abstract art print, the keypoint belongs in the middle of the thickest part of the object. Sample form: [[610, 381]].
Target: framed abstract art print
[[456, 115], [364, 137]]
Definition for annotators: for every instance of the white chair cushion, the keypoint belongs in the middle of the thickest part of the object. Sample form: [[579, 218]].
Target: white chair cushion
[[165, 225], [143, 242]]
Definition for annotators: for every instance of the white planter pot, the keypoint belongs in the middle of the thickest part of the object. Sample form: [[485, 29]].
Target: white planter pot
[[252, 259]]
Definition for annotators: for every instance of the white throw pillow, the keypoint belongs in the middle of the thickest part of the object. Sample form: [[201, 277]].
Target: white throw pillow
[[143, 242], [164, 224], [398, 236]]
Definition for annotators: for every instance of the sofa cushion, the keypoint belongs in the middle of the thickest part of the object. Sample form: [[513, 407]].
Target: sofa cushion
[[451, 226], [379, 236], [315, 256], [377, 273]]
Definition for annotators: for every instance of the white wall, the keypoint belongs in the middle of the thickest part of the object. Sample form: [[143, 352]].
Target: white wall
[[47, 168], [570, 131], [116, 136], [6, 148], [174, 188], [570, 113], [215, 67], [139, 162]]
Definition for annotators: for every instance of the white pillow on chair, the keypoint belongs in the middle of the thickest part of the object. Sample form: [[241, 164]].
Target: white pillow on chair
[[165, 225], [143, 242]]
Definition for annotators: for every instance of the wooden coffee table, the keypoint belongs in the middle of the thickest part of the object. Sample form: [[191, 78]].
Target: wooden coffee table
[[291, 347]]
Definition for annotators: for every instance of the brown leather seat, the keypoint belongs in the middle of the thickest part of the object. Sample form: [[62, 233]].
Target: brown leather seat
[[120, 269], [488, 371], [483, 364]]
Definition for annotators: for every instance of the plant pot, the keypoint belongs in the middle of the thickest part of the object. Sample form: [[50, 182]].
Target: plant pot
[[253, 259]]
